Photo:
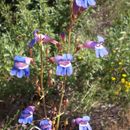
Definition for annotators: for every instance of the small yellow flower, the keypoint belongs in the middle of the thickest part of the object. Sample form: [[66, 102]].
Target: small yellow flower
[[113, 78], [120, 63], [114, 51], [116, 93], [123, 80], [128, 86], [127, 90], [124, 75], [126, 82]]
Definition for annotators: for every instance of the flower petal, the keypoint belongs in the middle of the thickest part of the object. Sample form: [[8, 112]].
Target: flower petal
[[69, 70], [97, 51], [31, 44], [27, 72], [13, 71], [59, 70], [20, 73], [91, 2], [90, 44], [100, 39]]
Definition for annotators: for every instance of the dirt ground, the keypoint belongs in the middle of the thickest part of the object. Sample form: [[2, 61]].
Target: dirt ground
[[103, 117], [110, 117]]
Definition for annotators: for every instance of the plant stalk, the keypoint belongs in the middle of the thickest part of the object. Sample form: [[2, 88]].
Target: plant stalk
[[59, 112], [71, 24], [42, 88]]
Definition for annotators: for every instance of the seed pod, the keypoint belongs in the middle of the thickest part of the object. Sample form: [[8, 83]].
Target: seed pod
[[65, 101], [66, 122]]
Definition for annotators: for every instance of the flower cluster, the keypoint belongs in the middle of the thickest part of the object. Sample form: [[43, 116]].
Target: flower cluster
[[124, 82], [26, 117]]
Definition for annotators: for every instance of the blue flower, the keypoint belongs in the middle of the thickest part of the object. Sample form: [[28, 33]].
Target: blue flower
[[45, 124], [37, 38], [21, 66], [44, 39], [85, 3], [89, 44], [26, 116], [100, 50], [64, 67], [82, 122], [100, 39]]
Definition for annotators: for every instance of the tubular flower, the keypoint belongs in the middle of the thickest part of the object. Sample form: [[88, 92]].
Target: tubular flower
[[100, 50], [81, 5], [21, 66], [40, 38], [63, 36], [64, 66], [45, 124], [85, 3], [26, 116], [82, 122]]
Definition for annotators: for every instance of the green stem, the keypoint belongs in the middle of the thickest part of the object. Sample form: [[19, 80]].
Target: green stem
[[42, 88], [70, 26], [59, 112]]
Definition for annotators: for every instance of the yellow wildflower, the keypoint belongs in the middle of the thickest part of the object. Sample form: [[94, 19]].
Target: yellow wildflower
[[127, 90], [123, 80], [126, 82], [124, 75], [120, 63], [117, 93], [113, 78]]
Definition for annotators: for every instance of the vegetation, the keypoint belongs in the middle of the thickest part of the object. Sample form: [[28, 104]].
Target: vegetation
[[95, 81]]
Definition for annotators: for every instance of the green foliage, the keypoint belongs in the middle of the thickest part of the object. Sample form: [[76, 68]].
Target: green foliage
[[94, 80]]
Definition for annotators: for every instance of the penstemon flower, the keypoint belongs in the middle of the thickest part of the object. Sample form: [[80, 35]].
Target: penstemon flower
[[26, 116], [81, 5], [64, 67], [100, 50], [44, 39], [83, 123], [45, 124], [21, 66], [85, 3]]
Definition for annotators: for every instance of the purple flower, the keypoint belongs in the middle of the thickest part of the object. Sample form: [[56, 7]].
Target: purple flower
[[62, 35], [100, 39], [26, 116], [90, 44], [82, 122], [85, 3], [45, 124], [21, 66], [64, 67], [40, 38], [100, 50]]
